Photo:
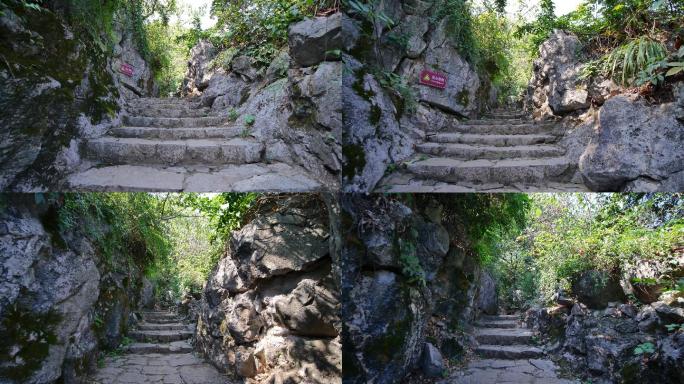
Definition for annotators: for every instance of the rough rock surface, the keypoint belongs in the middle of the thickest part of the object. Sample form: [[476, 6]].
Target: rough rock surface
[[386, 115], [388, 313], [270, 309], [311, 40], [600, 344], [637, 147], [198, 75], [52, 287], [488, 301], [556, 88]]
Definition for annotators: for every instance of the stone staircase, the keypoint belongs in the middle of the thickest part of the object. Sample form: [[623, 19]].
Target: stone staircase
[[161, 354], [502, 150], [161, 332], [177, 145], [500, 337]]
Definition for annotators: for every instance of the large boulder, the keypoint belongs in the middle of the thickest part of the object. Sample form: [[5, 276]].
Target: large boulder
[[313, 40], [271, 307], [596, 289], [556, 87], [634, 141], [431, 361], [488, 298], [198, 74], [139, 82]]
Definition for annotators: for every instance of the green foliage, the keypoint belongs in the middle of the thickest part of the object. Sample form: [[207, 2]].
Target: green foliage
[[233, 114], [628, 60], [460, 27], [410, 265], [674, 327], [258, 28], [644, 349], [250, 120], [575, 233]]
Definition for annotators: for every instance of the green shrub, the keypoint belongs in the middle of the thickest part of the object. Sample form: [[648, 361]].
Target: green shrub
[[626, 62]]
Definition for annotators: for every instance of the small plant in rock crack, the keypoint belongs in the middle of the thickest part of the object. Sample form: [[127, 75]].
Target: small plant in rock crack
[[233, 115], [645, 349], [244, 133], [674, 327], [250, 120]]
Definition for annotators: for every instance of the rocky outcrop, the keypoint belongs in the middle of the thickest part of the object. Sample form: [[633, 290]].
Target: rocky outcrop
[[488, 300], [637, 147], [386, 108], [294, 104], [596, 289], [601, 345], [270, 310], [59, 87], [556, 87], [59, 301], [621, 142], [404, 283]]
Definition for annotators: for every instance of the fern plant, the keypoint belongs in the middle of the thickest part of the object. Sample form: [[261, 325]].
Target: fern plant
[[627, 61]]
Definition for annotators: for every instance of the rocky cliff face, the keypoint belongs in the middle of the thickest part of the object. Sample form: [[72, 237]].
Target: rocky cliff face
[[386, 109], [621, 141], [408, 280], [60, 302], [270, 310], [295, 102], [59, 87]]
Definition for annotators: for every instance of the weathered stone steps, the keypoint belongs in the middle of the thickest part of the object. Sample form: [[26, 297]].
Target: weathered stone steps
[[173, 122], [114, 150], [473, 152], [483, 171], [177, 133], [496, 122], [253, 177], [164, 336], [492, 140], [162, 326], [498, 336], [173, 111], [163, 348], [498, 324], [499, 317], [507, 129], [511, 352]]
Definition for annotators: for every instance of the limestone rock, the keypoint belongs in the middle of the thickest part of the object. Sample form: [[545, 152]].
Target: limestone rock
[[311, 40], [634, 140], [198, 74], [431, 362], [488, 298], [596, 289]]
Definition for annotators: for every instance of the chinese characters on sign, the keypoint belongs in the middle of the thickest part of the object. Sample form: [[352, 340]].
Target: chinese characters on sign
[[433, 79], [127, 69]]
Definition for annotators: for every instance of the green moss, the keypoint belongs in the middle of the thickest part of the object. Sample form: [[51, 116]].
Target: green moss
[[386, 346], [26, 339], [355, 160], [463, 97], [375, 115], [358, 86]]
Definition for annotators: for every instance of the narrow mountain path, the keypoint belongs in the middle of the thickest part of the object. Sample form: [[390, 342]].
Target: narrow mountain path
[[507, 354], [177, 145], [161, 354], [504, 151]]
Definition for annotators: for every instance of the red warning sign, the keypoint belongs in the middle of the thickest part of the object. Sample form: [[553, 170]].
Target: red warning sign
[[127, 69], [433, 79]]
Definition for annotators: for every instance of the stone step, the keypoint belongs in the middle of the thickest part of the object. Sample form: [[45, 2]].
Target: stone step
[[505, 115], [160, 320], [497, 324], [115, 150], [143, 101], [496, 122], [472, 152], [506, 172], [161, 336], [509, 352], [162, 326], [174, 122], [509, 129], [499, 317], [169, 111], [254, 177], [492, 140], [177, 133], [157, 316], [163, 348], [500, 336]]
